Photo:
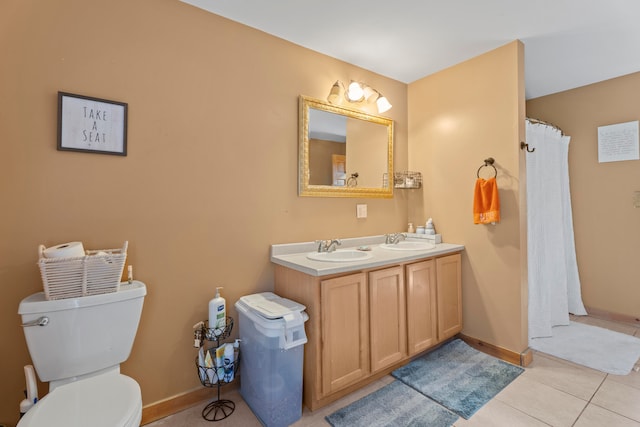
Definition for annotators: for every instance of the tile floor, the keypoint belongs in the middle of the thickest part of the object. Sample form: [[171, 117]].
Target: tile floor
[[551, 392]]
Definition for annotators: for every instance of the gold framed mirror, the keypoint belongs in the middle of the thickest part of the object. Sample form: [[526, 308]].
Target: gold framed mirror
[[343, 152]]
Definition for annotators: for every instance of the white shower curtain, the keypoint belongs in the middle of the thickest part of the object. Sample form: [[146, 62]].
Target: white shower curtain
[[554, 283]]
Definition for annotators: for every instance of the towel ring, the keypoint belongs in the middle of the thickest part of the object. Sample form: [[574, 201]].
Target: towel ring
[[352, 181], [488, 162]]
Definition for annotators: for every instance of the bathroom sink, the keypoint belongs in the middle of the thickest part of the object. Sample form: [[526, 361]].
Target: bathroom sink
[[408, 246], [340, 255]]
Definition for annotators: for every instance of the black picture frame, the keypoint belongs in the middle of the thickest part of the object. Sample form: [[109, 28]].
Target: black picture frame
[[91, 125]]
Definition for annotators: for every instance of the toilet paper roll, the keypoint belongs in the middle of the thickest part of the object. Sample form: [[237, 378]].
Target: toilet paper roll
[[65, 250]]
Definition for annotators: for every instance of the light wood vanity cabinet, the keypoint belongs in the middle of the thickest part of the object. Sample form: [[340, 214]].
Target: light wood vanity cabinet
[[387, 318], [449, 273], [422, 324], [364, 324], [344, 331]]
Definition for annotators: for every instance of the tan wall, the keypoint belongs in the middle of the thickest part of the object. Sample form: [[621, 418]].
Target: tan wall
[[210, 180], [458, 118], [606, 224]]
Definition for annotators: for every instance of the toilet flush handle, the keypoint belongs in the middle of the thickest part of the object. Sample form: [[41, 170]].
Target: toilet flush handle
[[42, 321]]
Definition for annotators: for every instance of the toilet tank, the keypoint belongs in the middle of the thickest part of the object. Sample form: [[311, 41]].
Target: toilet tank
[[83, 335]]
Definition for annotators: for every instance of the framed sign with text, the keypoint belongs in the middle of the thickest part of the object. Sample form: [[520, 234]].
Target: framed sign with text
[[91, 125]]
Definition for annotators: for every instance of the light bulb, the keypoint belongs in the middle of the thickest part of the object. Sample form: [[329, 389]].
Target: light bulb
[[355, 92]]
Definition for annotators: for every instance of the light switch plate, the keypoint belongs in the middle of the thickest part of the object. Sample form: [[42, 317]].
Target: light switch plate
[[636, 199], [361, 211]]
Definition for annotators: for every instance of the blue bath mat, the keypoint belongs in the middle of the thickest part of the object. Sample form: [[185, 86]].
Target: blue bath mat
[[395, 405], [458, 377]]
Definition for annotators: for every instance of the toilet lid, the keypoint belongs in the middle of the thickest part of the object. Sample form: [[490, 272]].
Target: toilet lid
[[109, 400]]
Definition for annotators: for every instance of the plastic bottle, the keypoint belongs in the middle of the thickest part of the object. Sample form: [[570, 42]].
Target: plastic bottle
[[410, 228], [228, 363], [31, 391], [236, 349], [220, 362], [429, 229], [217, 313]]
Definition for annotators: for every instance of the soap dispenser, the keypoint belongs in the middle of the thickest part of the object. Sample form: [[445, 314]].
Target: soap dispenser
[[217, 313]]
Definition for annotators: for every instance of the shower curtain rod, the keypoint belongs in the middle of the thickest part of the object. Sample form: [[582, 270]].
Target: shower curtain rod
[[542, 122]]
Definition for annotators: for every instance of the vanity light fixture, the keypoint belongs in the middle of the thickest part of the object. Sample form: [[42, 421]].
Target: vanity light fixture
[[358, 92]]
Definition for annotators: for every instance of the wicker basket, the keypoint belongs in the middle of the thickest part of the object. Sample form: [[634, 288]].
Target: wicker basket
[[98, 272]]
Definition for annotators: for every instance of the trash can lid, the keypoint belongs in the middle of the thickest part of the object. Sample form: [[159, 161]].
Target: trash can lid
[[270, 305]]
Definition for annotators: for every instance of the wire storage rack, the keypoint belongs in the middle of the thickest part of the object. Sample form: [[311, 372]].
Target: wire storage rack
[[404, 179], [218, 374]]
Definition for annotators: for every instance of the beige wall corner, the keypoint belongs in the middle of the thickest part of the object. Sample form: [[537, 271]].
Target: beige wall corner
[[457, 118]]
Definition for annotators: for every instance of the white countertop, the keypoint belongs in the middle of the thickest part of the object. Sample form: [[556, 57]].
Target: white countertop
[[294, 255]]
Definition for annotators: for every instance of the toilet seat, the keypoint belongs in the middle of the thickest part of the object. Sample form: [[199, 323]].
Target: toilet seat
[[108, 400]]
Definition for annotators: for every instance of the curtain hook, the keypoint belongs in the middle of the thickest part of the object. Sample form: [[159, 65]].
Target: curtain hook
[[525, 146]]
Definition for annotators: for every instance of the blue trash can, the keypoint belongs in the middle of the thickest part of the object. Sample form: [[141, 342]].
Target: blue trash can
[[272, 346]]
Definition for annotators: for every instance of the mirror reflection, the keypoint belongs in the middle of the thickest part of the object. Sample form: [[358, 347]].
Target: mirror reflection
[[343, 152]]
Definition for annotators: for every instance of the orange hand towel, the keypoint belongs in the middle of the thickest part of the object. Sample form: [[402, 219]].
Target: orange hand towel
[[486, 202]]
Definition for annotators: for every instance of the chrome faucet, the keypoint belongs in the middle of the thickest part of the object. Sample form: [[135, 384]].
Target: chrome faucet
[[328, 245], [393, 239]]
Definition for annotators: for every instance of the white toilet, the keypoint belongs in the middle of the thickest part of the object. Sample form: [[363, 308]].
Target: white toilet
[[78, 351]]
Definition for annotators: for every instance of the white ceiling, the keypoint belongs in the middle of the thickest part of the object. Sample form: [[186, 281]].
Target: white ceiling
[[568, 43]]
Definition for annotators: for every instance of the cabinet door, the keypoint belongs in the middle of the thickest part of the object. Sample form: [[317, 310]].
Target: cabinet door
[[387, 318], [345, 344], [421, 306], [449, 279]]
